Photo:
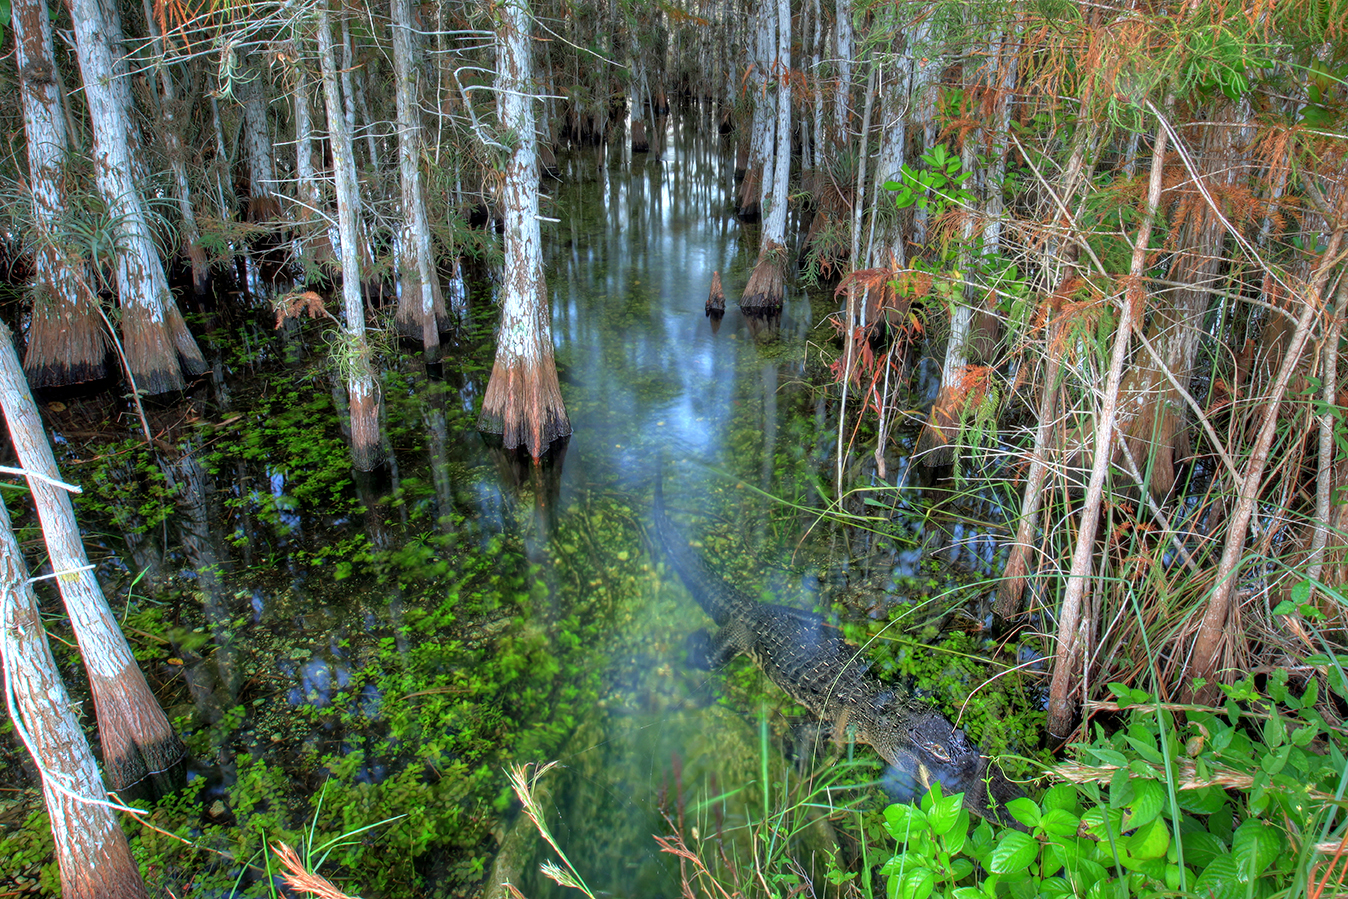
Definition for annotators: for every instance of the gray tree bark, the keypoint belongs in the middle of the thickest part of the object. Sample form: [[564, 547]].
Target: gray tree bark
[[136, 736], [362, 391], [159, 348], [91, 850], [523, 402]]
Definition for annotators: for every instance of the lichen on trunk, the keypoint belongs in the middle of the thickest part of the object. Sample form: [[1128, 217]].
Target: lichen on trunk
[[523, 402]]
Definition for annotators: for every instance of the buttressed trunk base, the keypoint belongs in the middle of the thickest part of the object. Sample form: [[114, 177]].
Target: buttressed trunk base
[[524, 404]]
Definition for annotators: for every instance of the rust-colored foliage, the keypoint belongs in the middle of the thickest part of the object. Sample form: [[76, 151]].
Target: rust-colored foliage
[[300, 879], [298, 303]]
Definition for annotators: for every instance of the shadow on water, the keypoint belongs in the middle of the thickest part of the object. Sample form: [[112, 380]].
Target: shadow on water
[[464, 609]]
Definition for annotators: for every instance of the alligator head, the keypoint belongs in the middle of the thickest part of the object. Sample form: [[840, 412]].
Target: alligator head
[[922, 747]]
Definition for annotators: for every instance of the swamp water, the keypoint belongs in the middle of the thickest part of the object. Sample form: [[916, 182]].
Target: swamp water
[[340, 652]]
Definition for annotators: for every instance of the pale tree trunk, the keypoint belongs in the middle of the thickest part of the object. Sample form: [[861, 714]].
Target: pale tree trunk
[[153, 329], [972, 324], [888, 245], [765, 289], [1076, 629], [136, 736], [177, 157], [311, 240], [114, 38], [523, 402], [863, 157], [66, 343], [842, 98], [774, 228], [1151, 410], [263, 205], [812, 150], [362, 391], [756, 172], [421, 307], [1214, 630], [91, 851]]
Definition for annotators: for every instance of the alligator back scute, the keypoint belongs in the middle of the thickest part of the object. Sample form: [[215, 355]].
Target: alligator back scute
[[817, 668]]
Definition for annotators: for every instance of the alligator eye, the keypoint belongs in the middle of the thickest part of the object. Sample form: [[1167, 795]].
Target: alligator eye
[[936, 751]]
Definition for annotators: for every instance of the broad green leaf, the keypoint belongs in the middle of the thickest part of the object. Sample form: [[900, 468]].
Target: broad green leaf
[[1146, 748], [1086, 874], [944, 812], [1148, 800], [959, 833], [967, 893], [1013, 853], [1151, 840], [960, 868], [1255, 846], [1110, 757], [1059, 822], [1102, 824], [903, 863], [1203, 801], [1274, 761], [1274, 731], [903, 821], [1120, 788], [1219, 880], [1024, 810], [1302, 736], [916, 883], [1201, 847], [1055, 888], [1060, 796]]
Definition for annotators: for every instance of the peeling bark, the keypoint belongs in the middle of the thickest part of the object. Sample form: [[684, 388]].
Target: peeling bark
[[136, 736], [523, 402], [66, 342], [366, 450], [91, 851], [421, 305], [152, 327]]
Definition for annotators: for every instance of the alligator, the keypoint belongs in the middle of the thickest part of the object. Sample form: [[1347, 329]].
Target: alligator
[[821, 671]]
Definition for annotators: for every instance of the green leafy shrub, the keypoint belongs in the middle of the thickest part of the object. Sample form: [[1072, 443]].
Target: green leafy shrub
[[1229, 805]]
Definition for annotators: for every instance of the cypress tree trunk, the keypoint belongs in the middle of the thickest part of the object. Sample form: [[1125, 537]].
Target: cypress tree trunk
[[1152, 411], [766, 287], [757, 173], [91, 850], [263, 205], [421, 306], [523, 402], [66, 343], [136, 736], [158, 346], [167, 102], [1076, 621], [310, 234], [842, 99], [361, 389]]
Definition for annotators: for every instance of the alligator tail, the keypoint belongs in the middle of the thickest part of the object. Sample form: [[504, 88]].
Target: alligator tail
[[714, 595]]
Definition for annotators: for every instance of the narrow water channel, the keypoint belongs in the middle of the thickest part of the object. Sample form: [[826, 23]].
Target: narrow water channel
[[342, 651]]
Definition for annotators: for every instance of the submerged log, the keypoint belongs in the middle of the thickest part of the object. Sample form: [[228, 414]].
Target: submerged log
[[716, 297]]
